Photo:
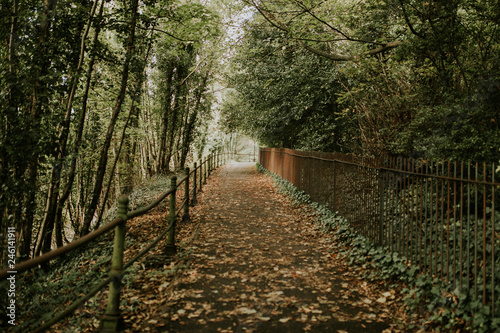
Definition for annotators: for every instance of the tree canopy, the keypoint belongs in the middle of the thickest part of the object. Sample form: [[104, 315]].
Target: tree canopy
[[95, 96], [406, 78]]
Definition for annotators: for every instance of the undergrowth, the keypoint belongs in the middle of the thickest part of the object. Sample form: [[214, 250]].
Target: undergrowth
[[43, 292], [430, 302]]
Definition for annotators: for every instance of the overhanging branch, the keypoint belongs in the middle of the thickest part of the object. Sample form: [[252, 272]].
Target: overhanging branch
[[270, 17]]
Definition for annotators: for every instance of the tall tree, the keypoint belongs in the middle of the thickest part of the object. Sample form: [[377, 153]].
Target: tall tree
[[47, 226], [131, 9], [418, 79]]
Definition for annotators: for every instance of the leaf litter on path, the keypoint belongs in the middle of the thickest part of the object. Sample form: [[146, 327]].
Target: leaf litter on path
[[251, 261], [262, 266]]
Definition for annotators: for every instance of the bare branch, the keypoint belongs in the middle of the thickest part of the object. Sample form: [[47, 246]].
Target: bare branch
[[408, 20]]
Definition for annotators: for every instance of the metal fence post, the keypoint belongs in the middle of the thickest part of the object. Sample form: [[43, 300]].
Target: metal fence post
[[201, 173], [334, 205], [381, 194], [185, 217], [113, 320], [193, 200], [170, 247], [205, 172]]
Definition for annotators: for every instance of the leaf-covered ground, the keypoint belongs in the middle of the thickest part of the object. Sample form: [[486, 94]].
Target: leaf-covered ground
[[250, 261], [256, 263]]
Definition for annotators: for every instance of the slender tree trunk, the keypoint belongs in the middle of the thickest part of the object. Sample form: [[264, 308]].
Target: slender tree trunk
[[162, 153], [59, 204], [174, 115], [39, 99], [190, 124], [125, 139], [6, 136], [81, 124], [53, 215], [113, 168], [188, 134], [101, 171]]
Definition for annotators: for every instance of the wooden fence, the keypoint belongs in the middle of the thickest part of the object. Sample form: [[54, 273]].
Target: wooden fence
[[440, 215]]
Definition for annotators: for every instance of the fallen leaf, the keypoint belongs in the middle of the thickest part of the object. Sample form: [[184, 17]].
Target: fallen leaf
[[246, 311]]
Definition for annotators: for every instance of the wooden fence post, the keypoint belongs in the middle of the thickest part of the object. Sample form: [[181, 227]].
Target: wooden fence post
[[170, 248], [193, 200], [185, 217], [113, 320]]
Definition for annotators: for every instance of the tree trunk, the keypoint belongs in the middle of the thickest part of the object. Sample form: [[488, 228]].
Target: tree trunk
[[174, 115], [189, 127], [113, 168], [38, 99], [7, 121], [162, 153], [101, 171], [53, 215]]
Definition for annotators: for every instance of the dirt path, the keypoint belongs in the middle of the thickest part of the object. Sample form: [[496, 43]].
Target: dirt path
[[258, 265]]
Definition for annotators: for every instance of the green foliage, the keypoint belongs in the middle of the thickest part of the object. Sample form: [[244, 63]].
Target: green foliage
[[62, 66], [284, 96], [464, 131], [435, 95], [438, 93], [45, 293]]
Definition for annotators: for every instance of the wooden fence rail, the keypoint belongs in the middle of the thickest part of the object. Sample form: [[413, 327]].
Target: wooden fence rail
[[440, 215], [112, 320]]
